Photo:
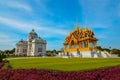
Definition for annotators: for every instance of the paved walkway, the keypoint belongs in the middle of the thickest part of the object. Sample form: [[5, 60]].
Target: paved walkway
[[22, 58], [28, 57]]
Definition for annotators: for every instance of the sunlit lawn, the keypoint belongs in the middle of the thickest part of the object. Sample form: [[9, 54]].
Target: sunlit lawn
[[64, 64]]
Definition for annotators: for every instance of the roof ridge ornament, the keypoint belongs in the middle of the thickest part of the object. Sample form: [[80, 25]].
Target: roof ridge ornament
[[77, 28]]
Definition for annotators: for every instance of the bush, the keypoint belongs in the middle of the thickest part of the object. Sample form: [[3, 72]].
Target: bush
[[5, 60], [112, 73], [1, 64], [2, 56]]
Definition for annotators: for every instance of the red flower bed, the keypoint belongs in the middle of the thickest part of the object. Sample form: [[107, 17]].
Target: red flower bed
[[112, 73], [1, 64]]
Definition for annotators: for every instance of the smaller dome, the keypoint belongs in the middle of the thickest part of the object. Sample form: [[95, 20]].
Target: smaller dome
[[40, 38], [21, 41]]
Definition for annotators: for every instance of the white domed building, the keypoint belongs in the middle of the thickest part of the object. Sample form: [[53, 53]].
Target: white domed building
[[34, 46]]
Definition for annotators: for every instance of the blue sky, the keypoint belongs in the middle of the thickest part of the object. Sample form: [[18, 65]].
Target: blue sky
[[54, 19]]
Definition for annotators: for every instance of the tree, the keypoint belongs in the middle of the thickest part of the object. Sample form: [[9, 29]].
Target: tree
[[115, 51], [2, 55], [102, 49], [106, 49], [48, 52], [12, 51], [98, 48], [52, 52]]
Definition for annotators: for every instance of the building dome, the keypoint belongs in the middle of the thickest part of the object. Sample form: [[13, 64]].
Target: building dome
[[32, 35]]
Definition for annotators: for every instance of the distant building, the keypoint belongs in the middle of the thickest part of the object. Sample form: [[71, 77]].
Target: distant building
[[34, 46]]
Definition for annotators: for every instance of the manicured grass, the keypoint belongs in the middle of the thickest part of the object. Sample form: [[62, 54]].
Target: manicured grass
[[64, 64]]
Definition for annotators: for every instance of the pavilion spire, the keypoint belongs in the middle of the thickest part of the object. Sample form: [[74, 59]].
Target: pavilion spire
[[87, 27], [77, 28]]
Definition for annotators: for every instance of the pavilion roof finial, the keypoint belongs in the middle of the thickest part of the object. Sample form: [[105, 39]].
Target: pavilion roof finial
[[77, 28], [87, 27]]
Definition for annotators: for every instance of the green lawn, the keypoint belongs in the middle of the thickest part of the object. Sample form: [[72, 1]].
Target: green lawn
[[65, 64]]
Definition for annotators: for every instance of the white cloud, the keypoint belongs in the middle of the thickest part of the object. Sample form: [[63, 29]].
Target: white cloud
[[26, 27], [17, 5], [6, 42], [13, 23]]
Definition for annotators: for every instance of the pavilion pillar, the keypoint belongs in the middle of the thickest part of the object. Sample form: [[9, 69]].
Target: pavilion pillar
[[88, 43], [80, 45], [94, 44], [69, 46]]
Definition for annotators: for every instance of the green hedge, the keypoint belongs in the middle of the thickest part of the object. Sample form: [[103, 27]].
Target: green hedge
[[2, 56]]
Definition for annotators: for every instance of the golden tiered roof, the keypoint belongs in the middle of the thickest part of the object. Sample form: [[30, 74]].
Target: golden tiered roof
[[80, 34]]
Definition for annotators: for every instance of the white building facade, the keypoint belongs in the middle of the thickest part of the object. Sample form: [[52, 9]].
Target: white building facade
[[34, 46]]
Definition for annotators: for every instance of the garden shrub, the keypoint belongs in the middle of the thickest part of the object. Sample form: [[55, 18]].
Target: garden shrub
[[112, 73], [2, 55]]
